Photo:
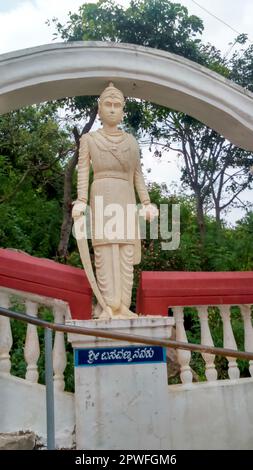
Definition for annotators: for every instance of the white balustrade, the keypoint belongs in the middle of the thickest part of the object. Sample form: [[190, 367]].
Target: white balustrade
[[59, 350], [248, 332], [229, 341], [61, 312], [5, 335], [183, 356], [207, 340], [32, 346]]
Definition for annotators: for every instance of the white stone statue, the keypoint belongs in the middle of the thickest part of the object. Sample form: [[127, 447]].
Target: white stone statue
[[114, 155]]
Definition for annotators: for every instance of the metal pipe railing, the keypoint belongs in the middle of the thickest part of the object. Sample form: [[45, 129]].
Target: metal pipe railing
[[49, 380], [125, 337]]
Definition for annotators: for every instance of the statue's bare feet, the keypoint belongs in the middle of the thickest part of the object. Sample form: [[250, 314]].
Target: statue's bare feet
[[124, 313], [106, 314]]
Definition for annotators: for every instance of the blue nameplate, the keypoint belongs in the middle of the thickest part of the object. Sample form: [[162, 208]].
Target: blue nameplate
[[119, 355]]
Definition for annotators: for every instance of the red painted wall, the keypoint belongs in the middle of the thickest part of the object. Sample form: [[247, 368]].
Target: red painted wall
[[45, 277], [159, 290], [156, 293]]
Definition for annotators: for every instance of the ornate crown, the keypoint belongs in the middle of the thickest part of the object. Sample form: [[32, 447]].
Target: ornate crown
[[112, 92]]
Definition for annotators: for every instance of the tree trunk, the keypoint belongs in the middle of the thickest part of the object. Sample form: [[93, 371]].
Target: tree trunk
[[62, 250], [201, 219], [67, 207], [218, 215]]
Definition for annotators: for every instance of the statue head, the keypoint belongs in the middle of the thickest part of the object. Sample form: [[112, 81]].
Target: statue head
[[111, 104]]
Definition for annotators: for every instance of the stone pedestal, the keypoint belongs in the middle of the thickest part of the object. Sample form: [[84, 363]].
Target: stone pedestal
[[121, 390]]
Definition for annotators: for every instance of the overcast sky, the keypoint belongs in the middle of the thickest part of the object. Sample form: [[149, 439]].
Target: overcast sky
[[23, 24]]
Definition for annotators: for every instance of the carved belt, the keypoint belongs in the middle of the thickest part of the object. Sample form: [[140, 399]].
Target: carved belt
[[111, 174]]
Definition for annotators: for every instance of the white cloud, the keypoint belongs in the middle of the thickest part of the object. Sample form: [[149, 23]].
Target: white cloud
[[236, 14], [25, 25]]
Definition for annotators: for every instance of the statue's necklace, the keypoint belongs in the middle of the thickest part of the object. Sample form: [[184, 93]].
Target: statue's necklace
[[115, 139]]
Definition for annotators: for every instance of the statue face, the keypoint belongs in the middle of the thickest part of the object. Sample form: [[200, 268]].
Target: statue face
[[111, 111]]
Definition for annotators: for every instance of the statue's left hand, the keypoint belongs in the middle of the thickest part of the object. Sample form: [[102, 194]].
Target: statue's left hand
[[150, 211]]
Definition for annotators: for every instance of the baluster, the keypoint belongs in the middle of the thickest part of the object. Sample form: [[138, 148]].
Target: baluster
[[59, 350], [229, 341], [206, 339], [183, 356], [5, 336], [32, 346], [248, 332]]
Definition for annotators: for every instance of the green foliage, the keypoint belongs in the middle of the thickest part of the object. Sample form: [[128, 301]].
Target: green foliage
[[241, 65], [31, 138], [140, 23], [33, 154], [31, 223]]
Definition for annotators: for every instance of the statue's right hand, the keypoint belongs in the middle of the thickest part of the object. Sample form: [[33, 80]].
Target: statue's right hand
[[78, 208]]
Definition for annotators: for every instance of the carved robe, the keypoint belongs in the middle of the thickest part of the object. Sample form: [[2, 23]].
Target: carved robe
[[117, 170]]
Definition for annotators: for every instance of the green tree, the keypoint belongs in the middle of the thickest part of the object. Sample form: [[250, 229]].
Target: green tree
[[215, 171], [34, 150], [154, 23]]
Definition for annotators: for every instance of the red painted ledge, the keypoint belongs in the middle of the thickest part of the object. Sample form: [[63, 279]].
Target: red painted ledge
[[41, 276], [158, 291]]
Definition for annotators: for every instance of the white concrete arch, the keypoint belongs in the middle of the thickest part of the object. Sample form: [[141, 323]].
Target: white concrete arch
[[84, 68]]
